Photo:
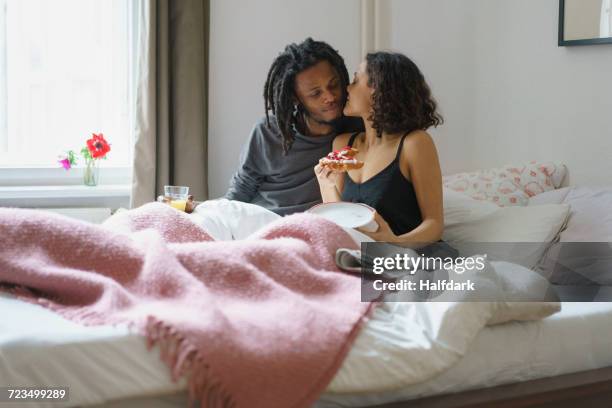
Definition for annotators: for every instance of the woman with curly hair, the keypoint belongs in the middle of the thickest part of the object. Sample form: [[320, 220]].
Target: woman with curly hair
[[401, 175]]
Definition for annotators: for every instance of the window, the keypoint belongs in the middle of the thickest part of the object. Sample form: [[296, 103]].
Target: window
[[66, 71]]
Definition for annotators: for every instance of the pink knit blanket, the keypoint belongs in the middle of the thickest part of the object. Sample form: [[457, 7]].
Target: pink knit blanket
[[262, 322]]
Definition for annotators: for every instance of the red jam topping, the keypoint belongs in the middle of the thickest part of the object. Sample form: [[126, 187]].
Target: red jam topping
[[341, 154]]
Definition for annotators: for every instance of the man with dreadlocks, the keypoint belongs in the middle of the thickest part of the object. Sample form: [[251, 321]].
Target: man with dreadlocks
[[305, 93]]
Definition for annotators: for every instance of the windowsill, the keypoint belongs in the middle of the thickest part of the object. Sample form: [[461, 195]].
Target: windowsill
[[41, 187], [108, 196]]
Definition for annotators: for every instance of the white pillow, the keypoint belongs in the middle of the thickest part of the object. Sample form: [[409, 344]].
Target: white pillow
[[540, 225], [583, 255], [227, 220], [523, 311], [522, 284], [550, 197], [460, 208]]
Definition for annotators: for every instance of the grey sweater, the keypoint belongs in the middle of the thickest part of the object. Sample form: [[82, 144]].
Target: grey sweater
[[283, 184]]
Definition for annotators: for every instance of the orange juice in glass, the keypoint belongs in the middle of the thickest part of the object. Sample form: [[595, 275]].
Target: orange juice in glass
[[178, 196]]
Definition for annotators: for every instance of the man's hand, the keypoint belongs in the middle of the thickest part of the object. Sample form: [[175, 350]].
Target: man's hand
[[190, 205]]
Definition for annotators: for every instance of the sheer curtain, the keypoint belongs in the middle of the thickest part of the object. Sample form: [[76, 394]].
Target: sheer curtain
[[65, 73], [171, 98]]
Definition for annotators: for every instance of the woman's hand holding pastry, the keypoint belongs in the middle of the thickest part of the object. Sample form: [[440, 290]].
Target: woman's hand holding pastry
[[326, 176]]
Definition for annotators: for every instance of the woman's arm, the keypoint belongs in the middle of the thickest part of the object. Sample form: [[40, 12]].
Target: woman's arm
[[419, 162], [420, 157], [331, 182]]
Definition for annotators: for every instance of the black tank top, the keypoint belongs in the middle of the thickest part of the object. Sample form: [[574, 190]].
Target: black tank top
[[389, 193]]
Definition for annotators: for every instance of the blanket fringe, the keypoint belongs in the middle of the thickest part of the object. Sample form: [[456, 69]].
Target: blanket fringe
[[184, 359]]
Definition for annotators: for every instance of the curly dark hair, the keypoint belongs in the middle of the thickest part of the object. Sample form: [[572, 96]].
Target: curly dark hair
[[279, 90], [402, 101]]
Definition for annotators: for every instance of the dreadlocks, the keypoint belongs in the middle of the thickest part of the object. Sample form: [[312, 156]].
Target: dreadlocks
[[279, 90]]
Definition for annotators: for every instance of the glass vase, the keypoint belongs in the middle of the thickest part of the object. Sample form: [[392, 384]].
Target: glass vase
[[91, 173]]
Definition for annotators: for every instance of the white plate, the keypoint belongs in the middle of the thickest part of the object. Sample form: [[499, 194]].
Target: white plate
[[347, 215]]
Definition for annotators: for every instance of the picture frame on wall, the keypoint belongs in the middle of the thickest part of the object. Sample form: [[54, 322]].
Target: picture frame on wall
[[585, 22]]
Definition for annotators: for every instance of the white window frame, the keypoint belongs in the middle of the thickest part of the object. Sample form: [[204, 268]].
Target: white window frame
[[58, 188]]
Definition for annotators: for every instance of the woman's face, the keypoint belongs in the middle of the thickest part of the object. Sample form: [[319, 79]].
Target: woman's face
[[359, 100]]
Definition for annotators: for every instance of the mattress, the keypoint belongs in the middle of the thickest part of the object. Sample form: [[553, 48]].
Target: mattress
[[98, 363], [102, 364]]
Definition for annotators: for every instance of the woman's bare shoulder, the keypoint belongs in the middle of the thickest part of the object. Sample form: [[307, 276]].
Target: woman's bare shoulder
[[416, 141], [341, 140], [419, 150]]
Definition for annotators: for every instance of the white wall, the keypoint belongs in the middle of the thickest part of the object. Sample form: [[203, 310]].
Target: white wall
[[508, 92], [535, 100], [439, 36], [245, 37]]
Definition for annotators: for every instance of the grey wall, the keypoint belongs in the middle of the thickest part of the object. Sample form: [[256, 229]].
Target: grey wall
[[508, 92]]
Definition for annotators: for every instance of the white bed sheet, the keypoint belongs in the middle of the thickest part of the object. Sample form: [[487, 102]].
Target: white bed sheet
[[576, 339], [101, 364]]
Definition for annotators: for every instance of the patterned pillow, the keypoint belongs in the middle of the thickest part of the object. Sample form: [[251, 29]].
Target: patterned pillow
[[509, 185]]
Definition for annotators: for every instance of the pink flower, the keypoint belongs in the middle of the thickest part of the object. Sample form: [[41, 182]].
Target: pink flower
[[67, 160], [65, 163]]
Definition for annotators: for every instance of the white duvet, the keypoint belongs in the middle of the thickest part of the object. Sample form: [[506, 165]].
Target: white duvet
[[405, 342], [401, 343]]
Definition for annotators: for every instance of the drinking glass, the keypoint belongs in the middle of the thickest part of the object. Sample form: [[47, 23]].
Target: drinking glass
[[178, 196]]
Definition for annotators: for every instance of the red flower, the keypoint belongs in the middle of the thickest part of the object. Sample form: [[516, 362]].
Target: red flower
[[97, 146]]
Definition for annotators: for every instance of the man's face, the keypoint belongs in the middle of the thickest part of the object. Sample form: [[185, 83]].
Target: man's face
[[319, 90]]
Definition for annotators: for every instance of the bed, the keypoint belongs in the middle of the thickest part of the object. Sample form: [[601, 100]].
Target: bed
[[564, 356], [108, 365], [574, 340]]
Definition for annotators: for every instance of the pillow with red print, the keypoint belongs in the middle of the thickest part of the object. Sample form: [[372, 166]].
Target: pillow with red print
[[509, 185]]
